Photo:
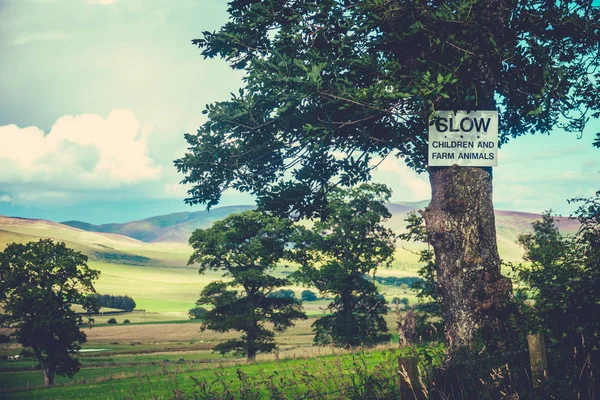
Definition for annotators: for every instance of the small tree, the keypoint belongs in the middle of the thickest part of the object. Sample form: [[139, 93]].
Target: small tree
[[244, 247], [308, 295], [337, 253], [39, 282]]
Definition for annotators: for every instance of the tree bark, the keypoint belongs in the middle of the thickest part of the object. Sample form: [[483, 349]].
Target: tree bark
[[48, 376], [461, 228]]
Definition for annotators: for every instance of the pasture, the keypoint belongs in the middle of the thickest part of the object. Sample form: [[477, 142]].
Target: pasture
[[157, 356], [164, 287]]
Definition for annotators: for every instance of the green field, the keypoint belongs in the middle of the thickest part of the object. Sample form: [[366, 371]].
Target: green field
[[131, 363], [146, 360], [149, 376]]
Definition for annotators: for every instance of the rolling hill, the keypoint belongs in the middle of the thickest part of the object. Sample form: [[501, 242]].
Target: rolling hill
[[98, 246], [151, 264], [177, 227]]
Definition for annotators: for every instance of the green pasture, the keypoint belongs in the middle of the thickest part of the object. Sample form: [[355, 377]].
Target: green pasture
[[145, 376]]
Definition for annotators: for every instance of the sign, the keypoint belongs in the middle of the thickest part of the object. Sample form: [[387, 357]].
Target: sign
[[465, 139]]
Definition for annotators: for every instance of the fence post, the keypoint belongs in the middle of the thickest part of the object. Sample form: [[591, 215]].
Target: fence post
[[537, 359], [410, 385]]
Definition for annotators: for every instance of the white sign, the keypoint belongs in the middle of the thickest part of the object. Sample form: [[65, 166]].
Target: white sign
[[465, 139]]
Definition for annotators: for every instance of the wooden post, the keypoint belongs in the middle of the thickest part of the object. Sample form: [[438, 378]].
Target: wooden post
[[538, 359], [410, 385]]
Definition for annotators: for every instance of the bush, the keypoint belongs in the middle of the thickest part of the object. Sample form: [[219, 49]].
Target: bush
[[127, 321], [282, 294], [308, 295], [111, 321], [197, 313], [562, 283]]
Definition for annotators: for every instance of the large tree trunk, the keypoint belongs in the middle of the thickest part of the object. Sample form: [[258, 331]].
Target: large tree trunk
[[48, 376], [461, 228]]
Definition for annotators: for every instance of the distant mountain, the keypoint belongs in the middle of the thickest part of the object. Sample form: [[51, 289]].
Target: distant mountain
[[98, 246], [176, 227]]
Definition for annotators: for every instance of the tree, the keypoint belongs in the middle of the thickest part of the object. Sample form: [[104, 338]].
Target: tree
[[245, 247], [563, 281], [337, 253], [308, 295], [332, 86], [39, 282]]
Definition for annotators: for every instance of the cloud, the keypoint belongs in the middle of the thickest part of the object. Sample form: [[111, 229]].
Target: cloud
[[406, 184], [102, 2], [80, 152], [5, 198], [39, 37]]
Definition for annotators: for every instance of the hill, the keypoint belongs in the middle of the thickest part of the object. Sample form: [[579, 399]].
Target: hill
[[176, 227], [98, 246]]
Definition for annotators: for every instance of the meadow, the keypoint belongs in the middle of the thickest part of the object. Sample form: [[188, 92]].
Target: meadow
[[144, 360], [130, 360]]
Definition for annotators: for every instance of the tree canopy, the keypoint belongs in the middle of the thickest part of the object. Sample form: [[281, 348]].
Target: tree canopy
[[39, 282], [244, 248], [333, 85]]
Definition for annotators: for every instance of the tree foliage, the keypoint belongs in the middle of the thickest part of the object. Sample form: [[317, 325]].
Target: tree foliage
[[120, 302], [563, 281], [427, 286], [245, 247], [337, 253], [331, 84], [39, 283], [283, 293], [197, 312], [308, 295]]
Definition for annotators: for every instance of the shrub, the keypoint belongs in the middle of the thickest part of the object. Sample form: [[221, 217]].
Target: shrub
[[126, 321], [282, 294], [111, 321], [197, 313], [308, 295]]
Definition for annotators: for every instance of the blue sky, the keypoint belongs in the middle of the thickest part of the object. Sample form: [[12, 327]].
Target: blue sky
[[95, 97]]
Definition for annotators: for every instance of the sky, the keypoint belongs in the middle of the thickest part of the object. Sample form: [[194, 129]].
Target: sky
[[95, 96]]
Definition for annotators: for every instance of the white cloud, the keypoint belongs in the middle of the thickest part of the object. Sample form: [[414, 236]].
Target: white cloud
[[406, 184], [5, 198], [79, 152], [102, 2], [39, 37]]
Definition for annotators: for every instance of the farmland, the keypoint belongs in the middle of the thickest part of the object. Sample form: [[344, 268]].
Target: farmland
[[131, 359]]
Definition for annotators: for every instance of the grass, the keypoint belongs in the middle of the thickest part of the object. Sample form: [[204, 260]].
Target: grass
[[150, 377]]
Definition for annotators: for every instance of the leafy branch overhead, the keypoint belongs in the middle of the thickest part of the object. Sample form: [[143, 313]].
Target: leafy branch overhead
[[332, 86]]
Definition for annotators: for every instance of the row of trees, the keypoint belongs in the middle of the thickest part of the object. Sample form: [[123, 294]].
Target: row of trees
[[125, 303], [334, 256]]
